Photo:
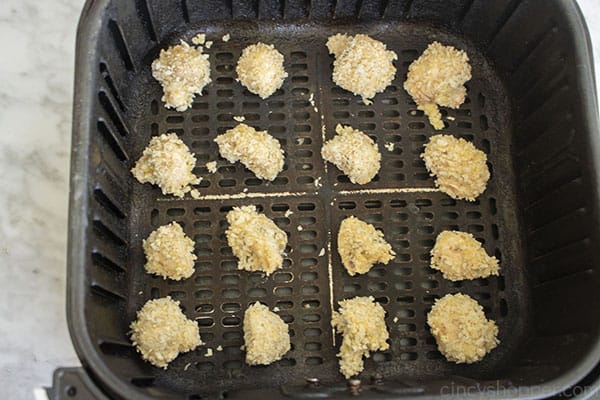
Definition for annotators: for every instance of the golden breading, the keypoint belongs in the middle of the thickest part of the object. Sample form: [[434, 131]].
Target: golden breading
[[183, 71], [437, 77], [260, 69], [169, 252], [255, 240], [460, 169], [260, 152], [168, 163], [161, 331], [461, 330], [266, 335], [354, 153], [361, 246], [460, 256], [361, 321], [362, 64]]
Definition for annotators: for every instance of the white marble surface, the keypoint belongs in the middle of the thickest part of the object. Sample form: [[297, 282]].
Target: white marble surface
[[36, 74]]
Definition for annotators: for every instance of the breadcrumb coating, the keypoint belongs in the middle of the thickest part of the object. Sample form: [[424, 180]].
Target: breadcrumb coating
[[260, 69], [459, 167], [255, 240], [260, 152], [168, 163], [354, 153], [169, 252], [437, 77], [461, 330], [161, 332], [361, 321], [266, 335], [361, 246], [183, 71], [362, 64], [460, 256]]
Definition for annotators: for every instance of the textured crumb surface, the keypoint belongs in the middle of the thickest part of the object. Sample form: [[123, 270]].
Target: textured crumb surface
[[361, 322], [354, 153], [437, 78], [169, 252], [255, 240], [461, 330], [168, 163], [460, 169], [260, 152], [260, 69], [362, 64], [183, 71], [161, 332], [211, 166], [458, 255], [199, 39], [266, 336], [361, 246]]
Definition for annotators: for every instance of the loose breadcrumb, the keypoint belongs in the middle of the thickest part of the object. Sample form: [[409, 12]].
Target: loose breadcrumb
[[361, 246], [208, 44], [219, 348], [461, 330], [260, 69], [362, 64], [460, 169], [211, 166], [354, 153], [255, 240], [226, 37], [209, 352], [389, 146], [361, 321], [260, 152], [169, 252], [239, 118], [199, 39], [266, 335], [183, 71], [161, 331], [460, 256], [195, 194], [395, 319], [168, 163], [437, 77]]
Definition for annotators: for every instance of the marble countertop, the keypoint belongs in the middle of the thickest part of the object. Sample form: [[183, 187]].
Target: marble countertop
[[36, 81]]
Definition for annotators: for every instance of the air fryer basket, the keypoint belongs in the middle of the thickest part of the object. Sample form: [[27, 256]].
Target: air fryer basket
[[530, 107]]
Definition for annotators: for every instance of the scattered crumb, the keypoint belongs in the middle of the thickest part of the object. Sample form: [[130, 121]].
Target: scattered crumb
[[354, 153], [461, 330], [322, 252], [413, 112], [299, 227], [242, 347], [208, 44], [459, 168], [245, 190], [239, 118], [361, 322], [311, 99], [199, 39], [460, 256], [209, 352], [183, 71], [260, 152], [219, 348], [211, 166], [255, 240], [362, 64], [389, 146], [195, 194], [276, 309], [168, 163], [315, 109], [140, 292], [450, 118], [287, 213], [260, 69], [437, 77], [226, 37], [187, 366], [307, 305], [266, 335], [161, 331], [318, 183], [395, 319], [169, 253]]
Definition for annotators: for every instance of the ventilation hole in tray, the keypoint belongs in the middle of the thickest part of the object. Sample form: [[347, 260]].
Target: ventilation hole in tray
[[312, 332], [231, 321], [230, 293], [205, 322], [434, 355], [230, 279], [404, 285], [257, 292], [503, 308], [283, 291], [377, 286], [351, 288], [205, 308], [405, 299], [232, 336], [283, 277]]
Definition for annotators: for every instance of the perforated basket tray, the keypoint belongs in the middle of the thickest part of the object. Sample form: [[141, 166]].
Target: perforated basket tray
[[529, 107]]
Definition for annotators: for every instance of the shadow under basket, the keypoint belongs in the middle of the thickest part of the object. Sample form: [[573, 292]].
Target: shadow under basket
[[530, 106]]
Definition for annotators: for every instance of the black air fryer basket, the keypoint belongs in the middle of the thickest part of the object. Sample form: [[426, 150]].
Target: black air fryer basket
[[531, 107]]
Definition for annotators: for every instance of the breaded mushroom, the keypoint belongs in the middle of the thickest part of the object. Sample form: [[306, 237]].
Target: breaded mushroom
[[461, 330], [255, 240], [169, 252], [260, 152], [460, 256], [260, 69], [168, 163], [161, 332], [354, 153], [266, 335], [361, 321], [361, 246], [183, 71], [362, 64], [460, 169], [437, 78]]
